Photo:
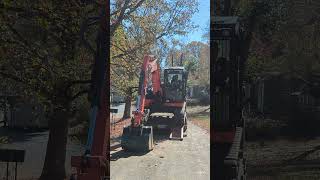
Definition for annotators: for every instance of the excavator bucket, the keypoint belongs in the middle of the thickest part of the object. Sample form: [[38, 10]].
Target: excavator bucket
[[137, 139]]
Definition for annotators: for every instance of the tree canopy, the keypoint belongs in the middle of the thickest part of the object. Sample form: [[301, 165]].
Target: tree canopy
[[43, 58], [285, 36], [141, 27]]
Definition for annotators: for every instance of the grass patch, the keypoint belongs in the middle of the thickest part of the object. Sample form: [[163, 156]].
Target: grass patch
[[200, 116], [203, 123]]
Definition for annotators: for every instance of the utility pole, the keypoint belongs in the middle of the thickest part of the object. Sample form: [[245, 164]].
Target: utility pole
[[171, 60]]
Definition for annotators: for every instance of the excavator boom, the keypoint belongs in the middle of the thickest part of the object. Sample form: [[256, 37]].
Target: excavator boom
[[138, 137], [149, 85]]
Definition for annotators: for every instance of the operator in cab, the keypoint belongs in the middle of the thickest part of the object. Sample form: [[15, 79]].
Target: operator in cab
[[175, 81], [221, 74]]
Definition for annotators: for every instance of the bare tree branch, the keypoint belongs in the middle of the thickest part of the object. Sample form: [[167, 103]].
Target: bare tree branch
[[120, 18], [80, 93]]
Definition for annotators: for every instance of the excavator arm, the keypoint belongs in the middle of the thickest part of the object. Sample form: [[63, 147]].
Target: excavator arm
[[138, 136], [149, 85]]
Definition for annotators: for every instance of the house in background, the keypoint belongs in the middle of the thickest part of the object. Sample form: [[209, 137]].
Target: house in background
[[17, 113], [115, 97], [271, 95], [197, 91], [276, 95]]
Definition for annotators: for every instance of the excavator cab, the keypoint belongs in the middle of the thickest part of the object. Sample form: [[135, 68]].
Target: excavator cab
[[175, 83], [228, 71]]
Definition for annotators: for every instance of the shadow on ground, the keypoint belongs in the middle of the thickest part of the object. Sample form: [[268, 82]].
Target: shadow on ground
[[125, 154], [158, 137], [21, 135]]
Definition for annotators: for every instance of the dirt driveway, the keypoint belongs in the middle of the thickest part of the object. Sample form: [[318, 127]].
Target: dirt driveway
[[170, 160]]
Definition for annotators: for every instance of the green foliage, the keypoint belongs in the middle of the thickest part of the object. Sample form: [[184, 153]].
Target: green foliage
[[196, 60], [285, 38], [190, 65], [42, 60], [245, 8], [123, 70], [40, 50]]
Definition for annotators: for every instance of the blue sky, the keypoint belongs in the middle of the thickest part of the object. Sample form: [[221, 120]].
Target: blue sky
[[202, 19]]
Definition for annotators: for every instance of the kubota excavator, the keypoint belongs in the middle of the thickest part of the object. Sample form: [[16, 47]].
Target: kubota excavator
[[154, 99]]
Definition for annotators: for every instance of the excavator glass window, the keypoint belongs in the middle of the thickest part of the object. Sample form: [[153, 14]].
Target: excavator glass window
[[174, 80], [226, 57], [174, 84], [223, 47]]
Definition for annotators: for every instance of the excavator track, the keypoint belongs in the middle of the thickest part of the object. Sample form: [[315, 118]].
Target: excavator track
[[179, 131]]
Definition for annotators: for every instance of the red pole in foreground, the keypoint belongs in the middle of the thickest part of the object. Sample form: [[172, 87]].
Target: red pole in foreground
[[95, 165]]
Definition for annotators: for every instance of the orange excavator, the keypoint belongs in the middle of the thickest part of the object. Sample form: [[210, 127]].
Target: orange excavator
[[159, 105]]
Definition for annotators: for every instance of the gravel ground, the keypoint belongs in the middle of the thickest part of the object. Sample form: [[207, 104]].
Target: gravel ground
[[269, 159], [270, 152], [171, 160], [263, 153]]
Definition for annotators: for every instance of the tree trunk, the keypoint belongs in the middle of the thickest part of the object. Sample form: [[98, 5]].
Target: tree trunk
[[127, 107], [54, 165], [5, 114]]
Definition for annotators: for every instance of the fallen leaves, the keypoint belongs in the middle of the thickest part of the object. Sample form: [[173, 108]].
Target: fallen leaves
[[116, 129], [204, 124]]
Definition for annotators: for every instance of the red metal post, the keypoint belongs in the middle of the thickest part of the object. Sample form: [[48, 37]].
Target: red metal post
[[96, 165]]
